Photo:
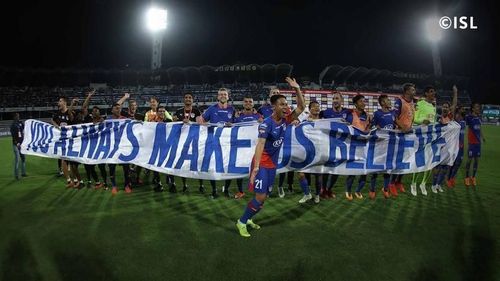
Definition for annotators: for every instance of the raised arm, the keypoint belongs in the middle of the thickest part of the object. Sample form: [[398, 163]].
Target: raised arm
[[123, 99], [85, 106], [454, 101], [71, 108], [301, 103]]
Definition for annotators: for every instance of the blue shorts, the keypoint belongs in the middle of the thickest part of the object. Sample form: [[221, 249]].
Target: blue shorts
[[474, 150], [263, 180]]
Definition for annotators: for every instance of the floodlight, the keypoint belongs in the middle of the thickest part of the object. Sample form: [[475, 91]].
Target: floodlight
[[433, 29], [156, 19]]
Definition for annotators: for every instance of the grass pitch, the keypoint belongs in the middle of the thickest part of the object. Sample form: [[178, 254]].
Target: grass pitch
[[52, 233]]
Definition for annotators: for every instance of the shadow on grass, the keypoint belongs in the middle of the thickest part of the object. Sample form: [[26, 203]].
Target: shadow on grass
[[478, 263], [19, 262], [76, 266], [7, 184], [290, 214], [474, 248]]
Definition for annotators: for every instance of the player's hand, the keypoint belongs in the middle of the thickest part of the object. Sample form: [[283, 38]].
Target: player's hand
[[292, 83], [91, 93], [126, 95], [295, 122], [254, 173], [74, 101], [455, 88], [254, 111], [426, 122], [174, 118], [237, 114]]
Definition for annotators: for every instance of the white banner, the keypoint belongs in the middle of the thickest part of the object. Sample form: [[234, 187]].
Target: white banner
[[211, 152]]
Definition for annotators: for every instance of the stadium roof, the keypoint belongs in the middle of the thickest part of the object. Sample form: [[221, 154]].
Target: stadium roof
[[349, 74]]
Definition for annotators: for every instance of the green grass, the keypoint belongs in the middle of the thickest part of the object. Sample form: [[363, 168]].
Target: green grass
[[51, 233]]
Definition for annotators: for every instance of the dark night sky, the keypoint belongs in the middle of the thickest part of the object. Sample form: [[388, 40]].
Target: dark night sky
[[308, 34]]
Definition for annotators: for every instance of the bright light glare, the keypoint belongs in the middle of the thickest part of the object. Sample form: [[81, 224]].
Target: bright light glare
[[433, 30], [156, 19]]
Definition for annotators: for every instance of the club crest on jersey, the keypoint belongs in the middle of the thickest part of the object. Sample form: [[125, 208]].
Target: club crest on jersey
[[229, 115]]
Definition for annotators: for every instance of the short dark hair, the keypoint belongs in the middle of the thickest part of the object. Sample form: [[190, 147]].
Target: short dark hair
[[381, 97], [474, 103], [446, 102], [96, 107], [64, 99], [223, 90], [407, 86], [161, 106], [357, 98], [116, 104], [154, 98], [248, 97], [313, 102], [131, 101], [275, 98], [428, 88], [188, 94]]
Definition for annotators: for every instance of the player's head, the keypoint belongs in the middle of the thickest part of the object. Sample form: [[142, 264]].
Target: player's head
[[153, 103], [223, 95], [132, 105], [384, 101], [409, 90], [62, 102], [16, 116], [161, 113], [248, 103], [280, 106], [273, 91], [430, 93], [460, 112], [314, 108], [337, 100], [359, 102], [96, 112], [445, 107], [116, 109], [475, 108], [188, 99]]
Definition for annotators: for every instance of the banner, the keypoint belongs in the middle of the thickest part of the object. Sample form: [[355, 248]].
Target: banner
[[212, 152]]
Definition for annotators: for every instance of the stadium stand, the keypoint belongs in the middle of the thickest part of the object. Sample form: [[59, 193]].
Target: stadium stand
[[34, 92]]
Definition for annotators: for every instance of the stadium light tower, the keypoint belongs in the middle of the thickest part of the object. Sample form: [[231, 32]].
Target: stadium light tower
[[156, 22], [434, 34]]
